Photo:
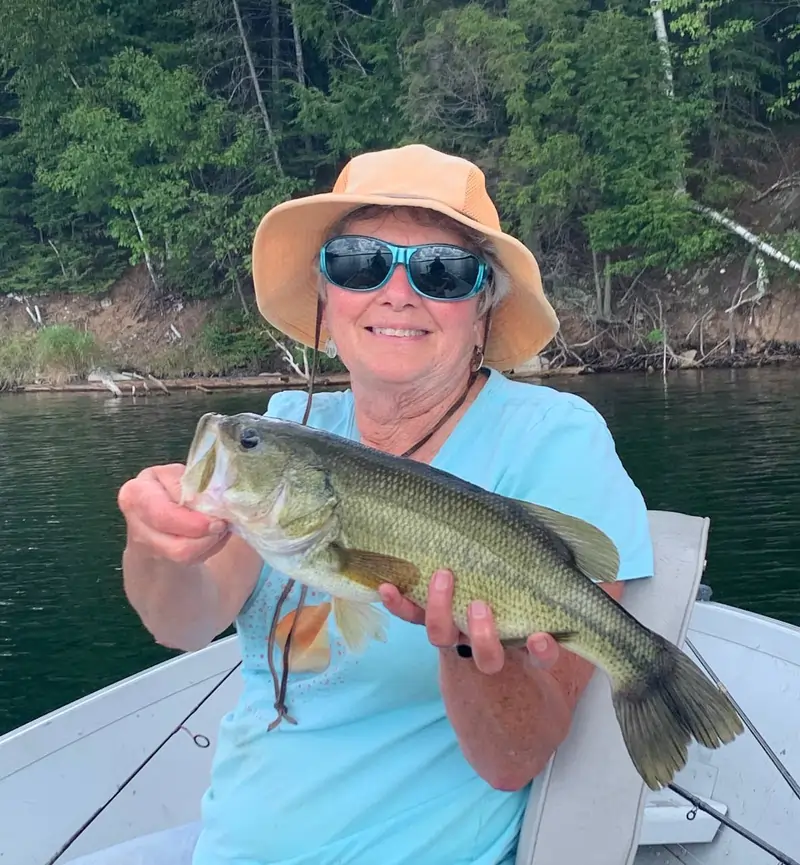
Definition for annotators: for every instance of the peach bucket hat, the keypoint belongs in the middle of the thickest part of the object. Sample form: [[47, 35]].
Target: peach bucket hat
[[288, 239]]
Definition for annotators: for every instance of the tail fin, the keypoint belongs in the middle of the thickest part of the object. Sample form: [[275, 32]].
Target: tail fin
[[660, 715]]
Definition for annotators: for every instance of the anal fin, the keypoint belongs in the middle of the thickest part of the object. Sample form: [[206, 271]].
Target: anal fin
[[358, 622]]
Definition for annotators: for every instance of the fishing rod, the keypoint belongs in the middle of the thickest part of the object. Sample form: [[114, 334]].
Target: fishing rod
[[202, 741], [198, 738], [776, 760], [700, 805]]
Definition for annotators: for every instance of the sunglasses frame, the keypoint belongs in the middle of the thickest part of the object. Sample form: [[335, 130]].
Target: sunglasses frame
[[402, 255]]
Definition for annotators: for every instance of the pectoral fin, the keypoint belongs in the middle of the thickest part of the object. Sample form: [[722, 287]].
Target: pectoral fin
[[595, 553], [371, 569], [358, 623]]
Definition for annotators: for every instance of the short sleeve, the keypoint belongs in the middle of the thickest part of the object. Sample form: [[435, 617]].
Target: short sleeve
[[572, 466], [287, 405], [330, 410]]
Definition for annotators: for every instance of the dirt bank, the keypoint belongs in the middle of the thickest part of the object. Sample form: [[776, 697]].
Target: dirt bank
[[710, 317]]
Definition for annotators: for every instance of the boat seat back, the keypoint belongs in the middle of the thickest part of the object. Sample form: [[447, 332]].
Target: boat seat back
[[588, 804]]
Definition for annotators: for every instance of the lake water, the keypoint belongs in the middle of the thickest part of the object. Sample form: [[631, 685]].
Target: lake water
[[723, 444]]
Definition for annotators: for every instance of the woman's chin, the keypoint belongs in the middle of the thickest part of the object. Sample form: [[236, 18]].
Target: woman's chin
[[393, 368]]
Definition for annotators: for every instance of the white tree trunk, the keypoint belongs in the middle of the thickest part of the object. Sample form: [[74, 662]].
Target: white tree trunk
[[298, 45], [147, 260], [259, 95], [663, 41], [740, 230]]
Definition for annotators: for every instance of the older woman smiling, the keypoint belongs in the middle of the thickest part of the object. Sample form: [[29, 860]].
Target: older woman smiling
[[419, 750]]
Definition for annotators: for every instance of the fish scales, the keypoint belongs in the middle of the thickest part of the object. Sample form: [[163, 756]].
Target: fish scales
[[344, 518], [500, 565]]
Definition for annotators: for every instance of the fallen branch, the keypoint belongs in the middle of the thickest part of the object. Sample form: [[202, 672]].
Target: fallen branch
[[779, 186], [289, 357], [108, 383], [662, 38], [159, 383], [742, 232]]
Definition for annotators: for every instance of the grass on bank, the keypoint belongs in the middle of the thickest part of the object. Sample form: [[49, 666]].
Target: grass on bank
[[231, 343], [54, 354], [228, 343]]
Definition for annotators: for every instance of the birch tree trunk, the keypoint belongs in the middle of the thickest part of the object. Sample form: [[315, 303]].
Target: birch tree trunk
[[666, 62], [147, 260], [300, 67], [663, 41], [663, 44], [259, 95], [275, 60]]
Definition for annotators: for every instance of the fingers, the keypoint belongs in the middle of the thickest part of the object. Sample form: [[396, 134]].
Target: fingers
[[399, 606], [442, 631], [165, 528], [487, 650], [181, 550], [543, 650], [153, 497]]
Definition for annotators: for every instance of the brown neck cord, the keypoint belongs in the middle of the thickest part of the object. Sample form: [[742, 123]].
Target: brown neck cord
[[280, 686]]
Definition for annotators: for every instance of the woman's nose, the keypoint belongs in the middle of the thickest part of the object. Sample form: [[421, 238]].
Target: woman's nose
[[398, 290]]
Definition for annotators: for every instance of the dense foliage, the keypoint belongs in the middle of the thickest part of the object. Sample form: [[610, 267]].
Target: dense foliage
[[161, 130]]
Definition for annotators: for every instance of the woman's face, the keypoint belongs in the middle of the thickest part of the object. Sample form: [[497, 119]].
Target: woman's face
[[393, 335]]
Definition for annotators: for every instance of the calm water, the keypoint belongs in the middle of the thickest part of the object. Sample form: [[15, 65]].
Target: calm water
[[721, 444]]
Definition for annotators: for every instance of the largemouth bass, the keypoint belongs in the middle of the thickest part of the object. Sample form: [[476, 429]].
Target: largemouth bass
[[343, 518]]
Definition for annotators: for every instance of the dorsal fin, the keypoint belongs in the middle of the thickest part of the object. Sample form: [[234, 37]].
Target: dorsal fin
[[596, 555]]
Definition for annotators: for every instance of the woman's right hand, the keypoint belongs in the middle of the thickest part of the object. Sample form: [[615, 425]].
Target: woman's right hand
[[162, 528]]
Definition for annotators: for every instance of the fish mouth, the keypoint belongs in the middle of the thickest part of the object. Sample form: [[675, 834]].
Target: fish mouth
[[208, 471]]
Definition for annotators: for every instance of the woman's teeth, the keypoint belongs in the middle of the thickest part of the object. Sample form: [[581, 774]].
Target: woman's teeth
[[393, 331]]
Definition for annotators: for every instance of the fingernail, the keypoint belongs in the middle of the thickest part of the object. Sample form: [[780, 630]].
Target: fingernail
[[478, 610], [539, 644], [218, 527], [441, 580]]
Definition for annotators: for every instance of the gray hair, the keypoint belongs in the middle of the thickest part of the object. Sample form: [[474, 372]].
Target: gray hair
[[497, 287]]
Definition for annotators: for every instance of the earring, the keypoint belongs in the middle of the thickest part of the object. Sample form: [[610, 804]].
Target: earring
[[477, 358], [330, 348]]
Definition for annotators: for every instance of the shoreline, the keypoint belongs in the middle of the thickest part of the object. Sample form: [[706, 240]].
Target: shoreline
[[138, 386], [126, 384]]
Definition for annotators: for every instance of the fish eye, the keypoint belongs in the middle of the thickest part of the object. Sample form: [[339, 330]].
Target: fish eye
[[248, 438]]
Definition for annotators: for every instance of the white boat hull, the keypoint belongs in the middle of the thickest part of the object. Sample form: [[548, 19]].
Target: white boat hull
[[56, 771]]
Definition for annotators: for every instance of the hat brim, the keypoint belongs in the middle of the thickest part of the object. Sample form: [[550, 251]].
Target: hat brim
[[285, 274]]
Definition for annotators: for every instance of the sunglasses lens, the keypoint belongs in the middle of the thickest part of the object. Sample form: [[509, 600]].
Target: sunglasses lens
[[444, 272], [356, 262]]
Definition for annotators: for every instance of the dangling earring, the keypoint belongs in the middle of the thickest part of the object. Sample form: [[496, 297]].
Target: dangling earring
[[330, 348], [477, 358]]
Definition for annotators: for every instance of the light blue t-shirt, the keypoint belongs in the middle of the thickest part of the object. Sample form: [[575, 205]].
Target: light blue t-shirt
[[373, 774]]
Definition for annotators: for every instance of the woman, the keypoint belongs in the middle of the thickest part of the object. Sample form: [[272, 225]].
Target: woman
[[421, 749]]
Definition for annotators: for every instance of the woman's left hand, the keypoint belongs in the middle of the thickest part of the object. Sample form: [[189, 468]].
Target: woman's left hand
[[487, 651]]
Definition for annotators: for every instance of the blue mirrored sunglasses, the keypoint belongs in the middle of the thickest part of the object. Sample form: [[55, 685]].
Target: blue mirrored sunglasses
[[438, 271]]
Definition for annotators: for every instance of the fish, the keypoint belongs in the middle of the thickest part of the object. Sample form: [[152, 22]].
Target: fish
[[343, 518]]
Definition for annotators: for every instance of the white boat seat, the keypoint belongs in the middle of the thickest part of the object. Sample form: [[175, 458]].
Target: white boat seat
[[589, 804]]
